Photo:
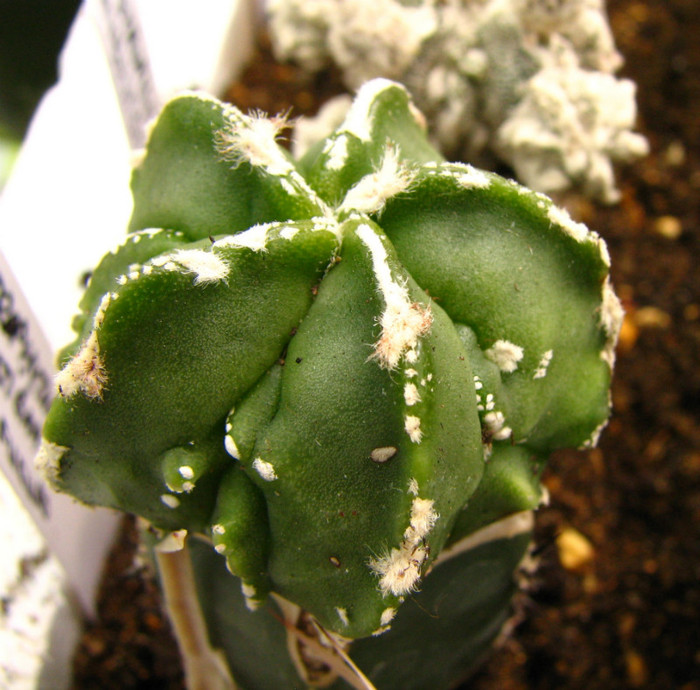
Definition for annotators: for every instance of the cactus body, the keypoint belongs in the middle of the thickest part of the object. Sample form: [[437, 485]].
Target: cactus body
[[334, 368]]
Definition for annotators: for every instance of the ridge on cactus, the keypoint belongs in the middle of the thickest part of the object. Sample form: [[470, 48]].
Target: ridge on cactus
[[343, 373]]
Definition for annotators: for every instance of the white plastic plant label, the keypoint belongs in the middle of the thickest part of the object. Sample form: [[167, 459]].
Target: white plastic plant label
[[68, 202], [78, 536], [127, 54]]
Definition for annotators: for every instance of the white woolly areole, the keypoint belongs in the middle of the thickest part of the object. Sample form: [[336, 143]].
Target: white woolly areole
[[343, 615], [288, 232], [403, 321], [48, 460], [337, 152], [371, 193], [207, 267], [264, 469], [250, 593], [400, 570], [611, 316], [410, 394], [170, 501], [358, 121], [329, 224], [543, 365], [495, 426], [468, 176], [85, 373], [592, 442], [381, 630], [231, 447], [106, 300], [560, 216], [248, 590], [412, 427], [505, 355], [186, 472], [252, 139], [387, 616], [255, 238], [412, 355]]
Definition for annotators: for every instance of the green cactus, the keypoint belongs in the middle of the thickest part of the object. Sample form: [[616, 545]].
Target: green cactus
[[345, 371]]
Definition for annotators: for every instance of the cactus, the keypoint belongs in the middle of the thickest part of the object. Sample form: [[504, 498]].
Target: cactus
[[531, 81], [345, 373]]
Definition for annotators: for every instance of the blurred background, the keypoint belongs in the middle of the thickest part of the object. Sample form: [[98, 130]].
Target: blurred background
[[31, 35]]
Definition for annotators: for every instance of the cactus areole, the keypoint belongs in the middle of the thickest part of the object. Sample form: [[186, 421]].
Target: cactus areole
[[334, 368]]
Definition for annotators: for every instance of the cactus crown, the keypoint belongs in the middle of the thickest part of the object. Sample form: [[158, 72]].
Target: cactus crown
[[332, 367]]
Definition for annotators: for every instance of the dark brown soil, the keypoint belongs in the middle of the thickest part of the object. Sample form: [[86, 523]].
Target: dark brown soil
[[629, 617]]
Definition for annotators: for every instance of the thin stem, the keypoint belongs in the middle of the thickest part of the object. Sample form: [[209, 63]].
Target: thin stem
[[364, 683], [205, 668], [340, 663], [336, 659]]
